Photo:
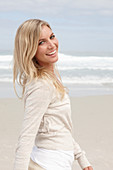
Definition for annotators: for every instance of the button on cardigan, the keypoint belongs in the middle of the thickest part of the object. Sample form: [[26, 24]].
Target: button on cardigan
[[47, 124]]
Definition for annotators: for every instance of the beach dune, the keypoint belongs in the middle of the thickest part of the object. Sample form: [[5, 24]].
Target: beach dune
[[92, 128]]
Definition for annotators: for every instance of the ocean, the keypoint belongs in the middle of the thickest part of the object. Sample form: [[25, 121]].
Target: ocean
[[82, 75]]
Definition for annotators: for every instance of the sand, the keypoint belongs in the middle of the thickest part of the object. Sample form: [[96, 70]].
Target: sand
[[92, 128]]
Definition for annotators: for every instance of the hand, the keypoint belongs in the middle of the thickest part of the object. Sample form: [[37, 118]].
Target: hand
[[88, 168]]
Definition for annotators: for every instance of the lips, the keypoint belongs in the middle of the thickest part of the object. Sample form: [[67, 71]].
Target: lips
[[52, 53]]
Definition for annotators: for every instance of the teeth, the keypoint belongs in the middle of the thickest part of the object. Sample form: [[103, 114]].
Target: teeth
[[52, 52]]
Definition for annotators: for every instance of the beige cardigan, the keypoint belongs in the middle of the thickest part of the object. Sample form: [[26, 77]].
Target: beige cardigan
[[47, 123]]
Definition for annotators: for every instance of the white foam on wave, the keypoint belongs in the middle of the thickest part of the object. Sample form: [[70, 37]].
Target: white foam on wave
[[5, 79], [73, 62], [80, 68], [88, 80], [77, 81], [6, 62], [6, 67], [68, 62], [64, 57], [6, 58]]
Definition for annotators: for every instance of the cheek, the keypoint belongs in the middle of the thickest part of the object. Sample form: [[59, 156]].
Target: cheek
[[57, 42], [41, 51]]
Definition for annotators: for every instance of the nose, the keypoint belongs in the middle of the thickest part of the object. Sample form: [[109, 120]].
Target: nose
[[51, 44]]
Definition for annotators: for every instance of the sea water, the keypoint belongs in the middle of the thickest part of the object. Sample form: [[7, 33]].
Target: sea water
[[82, 75], [87, 75]]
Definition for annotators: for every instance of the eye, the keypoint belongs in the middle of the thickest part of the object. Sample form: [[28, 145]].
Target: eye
[[52, 36], [41, 42]]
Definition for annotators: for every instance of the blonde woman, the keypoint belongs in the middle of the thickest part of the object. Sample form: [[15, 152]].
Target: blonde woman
[[45, 140]]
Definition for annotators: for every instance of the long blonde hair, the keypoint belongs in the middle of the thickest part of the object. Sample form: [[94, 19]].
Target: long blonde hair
[[25, 66]]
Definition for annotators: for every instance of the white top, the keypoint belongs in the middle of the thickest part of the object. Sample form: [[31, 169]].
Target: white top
[[53, 159], [47, 124]]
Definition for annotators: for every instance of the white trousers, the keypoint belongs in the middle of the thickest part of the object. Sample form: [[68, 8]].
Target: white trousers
[[34, 166], [53, 159]]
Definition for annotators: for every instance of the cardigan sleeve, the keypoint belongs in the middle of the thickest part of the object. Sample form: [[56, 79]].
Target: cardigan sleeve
[[37, 99], [80, 156]]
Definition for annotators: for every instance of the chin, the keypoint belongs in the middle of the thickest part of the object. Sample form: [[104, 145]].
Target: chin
[[55, 60]]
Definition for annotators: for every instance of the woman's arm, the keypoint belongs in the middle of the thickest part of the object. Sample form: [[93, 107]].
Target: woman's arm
[[38, 97], [79, 155]]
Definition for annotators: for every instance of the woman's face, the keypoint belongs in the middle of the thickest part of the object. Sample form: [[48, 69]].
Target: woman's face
[[47, 52]]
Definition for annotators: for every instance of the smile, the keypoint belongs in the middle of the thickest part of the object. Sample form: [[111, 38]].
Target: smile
[[52, 53]]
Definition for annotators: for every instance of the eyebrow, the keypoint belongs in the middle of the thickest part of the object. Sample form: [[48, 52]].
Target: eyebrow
[[44, 38]]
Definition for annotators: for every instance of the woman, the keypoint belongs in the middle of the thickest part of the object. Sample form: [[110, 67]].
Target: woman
[[45, 141]]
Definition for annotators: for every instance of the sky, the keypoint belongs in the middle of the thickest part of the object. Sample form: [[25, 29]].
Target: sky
[[81, 26]]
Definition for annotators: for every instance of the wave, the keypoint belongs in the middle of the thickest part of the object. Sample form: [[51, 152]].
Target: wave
[[6, 80], [70, 62], [81, 68], [65, 68], [88, 80], [69, 67], [77, 58], [6, 67], [64, 57], [89, 69], [6, 58]]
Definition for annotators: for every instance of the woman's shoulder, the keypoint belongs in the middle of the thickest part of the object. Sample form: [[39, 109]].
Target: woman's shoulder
[[39, 84]]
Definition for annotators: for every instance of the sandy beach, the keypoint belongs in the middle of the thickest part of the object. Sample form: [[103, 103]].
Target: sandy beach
[[92, 128]]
